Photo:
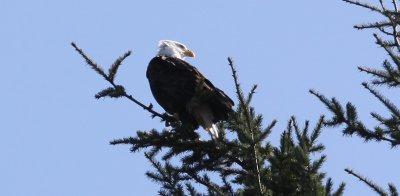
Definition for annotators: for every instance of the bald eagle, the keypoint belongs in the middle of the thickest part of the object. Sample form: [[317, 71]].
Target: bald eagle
[[183, 91]]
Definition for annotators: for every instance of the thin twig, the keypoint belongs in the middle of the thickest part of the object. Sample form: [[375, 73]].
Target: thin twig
[[382, 6], [374, 25], [395, 6], [364, 5], [385, 32], [99, 70]]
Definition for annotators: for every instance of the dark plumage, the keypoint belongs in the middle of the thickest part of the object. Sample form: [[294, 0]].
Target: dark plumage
[[183, 91], [173, 83]]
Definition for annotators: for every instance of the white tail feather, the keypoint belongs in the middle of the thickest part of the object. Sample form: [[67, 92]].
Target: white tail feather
[[205, 118], [213, 130]]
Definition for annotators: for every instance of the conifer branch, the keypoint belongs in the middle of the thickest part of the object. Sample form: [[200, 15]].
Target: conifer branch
[[90, 62], [328, 187], [206, 182], [387, 47], [252, 92], [382, 6], [114, 67], [392, 108], [389, 128], [364, 5], [352, 122], [333, 106], [395, 6], [294, 155], [192, 191], [368, 182], [317, 130], [383, 76], [166, 176], [392, 22], [267, 130], [111, 92], [118, 93], [375, 25], [340, 190], [248, 122], [316, 165], [393, 190]]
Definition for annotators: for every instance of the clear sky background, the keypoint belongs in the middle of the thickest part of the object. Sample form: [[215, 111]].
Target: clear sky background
[[54, 135]]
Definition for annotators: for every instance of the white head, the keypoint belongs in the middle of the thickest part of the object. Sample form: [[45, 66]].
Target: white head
[[169, 48]]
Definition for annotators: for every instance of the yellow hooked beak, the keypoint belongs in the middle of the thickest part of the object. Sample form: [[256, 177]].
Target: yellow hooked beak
[[189, 53]]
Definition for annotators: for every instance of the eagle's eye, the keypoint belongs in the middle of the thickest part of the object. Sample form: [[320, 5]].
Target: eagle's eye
[[181, 46]]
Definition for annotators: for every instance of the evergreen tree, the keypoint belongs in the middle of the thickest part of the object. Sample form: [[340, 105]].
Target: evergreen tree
[[240, 162], [388, 130]]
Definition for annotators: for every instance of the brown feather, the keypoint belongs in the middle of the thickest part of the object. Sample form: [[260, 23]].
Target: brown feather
[[173, 83]]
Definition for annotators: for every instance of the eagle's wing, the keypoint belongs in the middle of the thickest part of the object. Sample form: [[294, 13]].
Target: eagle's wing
[[219, 102], [173, 83]]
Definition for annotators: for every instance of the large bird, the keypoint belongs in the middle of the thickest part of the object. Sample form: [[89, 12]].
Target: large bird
[[183, 91]]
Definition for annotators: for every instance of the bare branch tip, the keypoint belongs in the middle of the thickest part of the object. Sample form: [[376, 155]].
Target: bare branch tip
[[313, 91]]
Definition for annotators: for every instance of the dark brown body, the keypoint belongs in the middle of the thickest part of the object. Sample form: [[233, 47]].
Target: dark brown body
[[174, 83]]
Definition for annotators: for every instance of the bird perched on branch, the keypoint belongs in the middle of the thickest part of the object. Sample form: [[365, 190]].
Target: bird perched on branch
[[183, 91]]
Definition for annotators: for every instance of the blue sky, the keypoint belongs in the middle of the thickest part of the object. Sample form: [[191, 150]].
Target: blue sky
[[54, 135]]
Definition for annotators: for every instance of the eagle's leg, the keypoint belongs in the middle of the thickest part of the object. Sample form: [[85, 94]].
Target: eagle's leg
[[175, 116], [170, 120]]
